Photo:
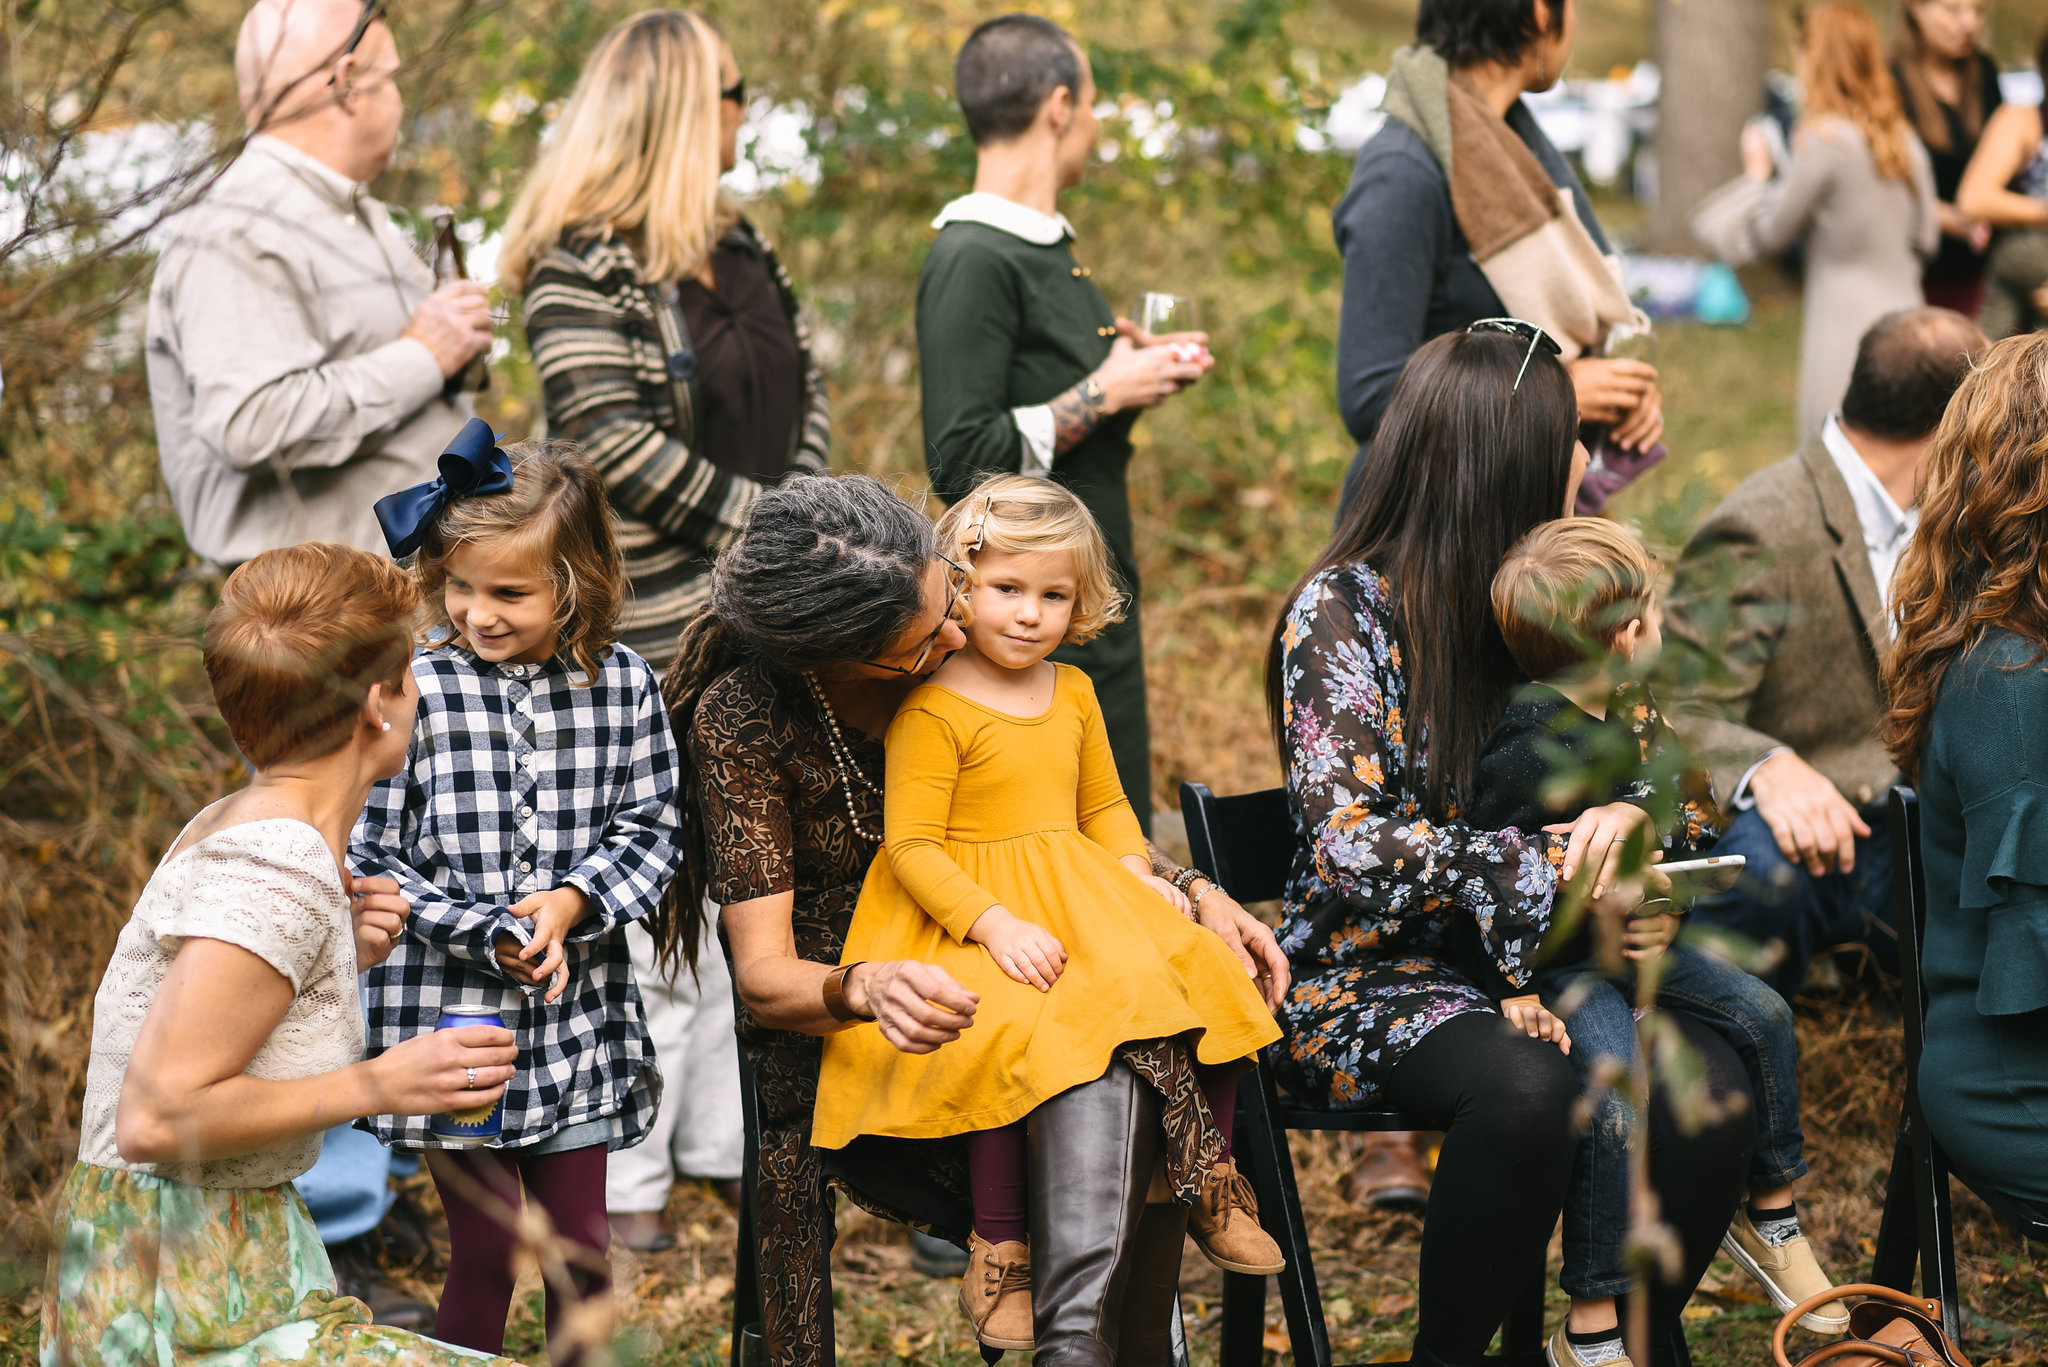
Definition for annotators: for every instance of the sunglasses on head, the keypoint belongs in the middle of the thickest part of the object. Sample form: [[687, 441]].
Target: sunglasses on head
[[736, 92], [1520, 330], [373, 10]]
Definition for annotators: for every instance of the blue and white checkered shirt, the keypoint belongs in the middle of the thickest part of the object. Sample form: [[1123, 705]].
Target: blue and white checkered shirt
[[519, 781]]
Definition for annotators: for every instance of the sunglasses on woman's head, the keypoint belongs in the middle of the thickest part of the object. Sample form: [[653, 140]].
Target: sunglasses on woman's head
[[1521, 330], [956, 585], [736, 92]]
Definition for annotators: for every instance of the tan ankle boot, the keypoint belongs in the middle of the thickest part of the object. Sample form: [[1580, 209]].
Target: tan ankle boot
[[1225, 1225], [995, 1295]]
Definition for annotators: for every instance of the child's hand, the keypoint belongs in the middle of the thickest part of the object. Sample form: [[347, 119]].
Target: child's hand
[[1175, 898], [553, 914], [1528, 1015], [378, 910], [1023, 949], [1645, 937]]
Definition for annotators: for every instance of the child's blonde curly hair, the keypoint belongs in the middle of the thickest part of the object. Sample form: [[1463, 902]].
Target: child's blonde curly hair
[[1022, 513]]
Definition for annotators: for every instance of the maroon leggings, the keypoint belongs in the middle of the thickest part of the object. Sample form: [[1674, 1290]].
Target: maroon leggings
[[480, 1190], [997, 1161]]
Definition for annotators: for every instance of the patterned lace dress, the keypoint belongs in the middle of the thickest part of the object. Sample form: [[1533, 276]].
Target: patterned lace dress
[[217, 1261]]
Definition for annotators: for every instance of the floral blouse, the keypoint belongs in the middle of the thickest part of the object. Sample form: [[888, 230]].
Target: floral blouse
[[1391, 920]]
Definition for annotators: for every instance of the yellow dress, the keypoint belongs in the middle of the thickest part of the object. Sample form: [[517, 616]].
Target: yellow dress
[[984, 808]]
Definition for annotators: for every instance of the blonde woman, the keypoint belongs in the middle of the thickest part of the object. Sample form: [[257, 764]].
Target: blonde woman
[[667, 336], [1859, 192], [671, 348]]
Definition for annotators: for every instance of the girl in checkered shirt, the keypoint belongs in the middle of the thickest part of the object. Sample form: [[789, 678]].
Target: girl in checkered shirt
[[534, 819]]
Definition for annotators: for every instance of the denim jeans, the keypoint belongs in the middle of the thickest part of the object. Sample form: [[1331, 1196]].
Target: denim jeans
[[1756, 1023], [1778, 900]]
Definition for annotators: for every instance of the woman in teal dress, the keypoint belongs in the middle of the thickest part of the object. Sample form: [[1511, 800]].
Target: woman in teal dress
[[227, 1033], [1968, 682]]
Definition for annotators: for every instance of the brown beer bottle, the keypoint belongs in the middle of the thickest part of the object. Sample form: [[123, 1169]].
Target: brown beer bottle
[[475, 377]]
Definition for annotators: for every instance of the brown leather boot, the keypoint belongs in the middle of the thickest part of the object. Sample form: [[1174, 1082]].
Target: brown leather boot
[[1390, 1174], [1225, 1225], [995, 1295]]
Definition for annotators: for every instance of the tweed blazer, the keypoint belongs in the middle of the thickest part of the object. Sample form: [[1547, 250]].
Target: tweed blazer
[[602, 353], [1775, 591]]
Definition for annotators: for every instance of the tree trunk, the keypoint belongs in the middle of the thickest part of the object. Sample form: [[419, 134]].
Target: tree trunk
[[1711, 54]]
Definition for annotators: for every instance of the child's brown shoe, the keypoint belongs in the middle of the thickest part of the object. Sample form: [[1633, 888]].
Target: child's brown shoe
[[995, 1294], [1225, 1224]]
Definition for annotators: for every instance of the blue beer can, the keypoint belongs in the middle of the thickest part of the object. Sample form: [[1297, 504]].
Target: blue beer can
[[479, 1125]]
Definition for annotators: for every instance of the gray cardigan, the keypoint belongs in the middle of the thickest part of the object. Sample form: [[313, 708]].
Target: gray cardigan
[[1408, 273]]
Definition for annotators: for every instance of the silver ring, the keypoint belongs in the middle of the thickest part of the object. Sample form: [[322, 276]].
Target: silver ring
[[469, 1073]]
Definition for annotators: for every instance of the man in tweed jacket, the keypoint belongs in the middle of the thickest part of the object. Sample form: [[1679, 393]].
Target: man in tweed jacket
[[1784, 591]]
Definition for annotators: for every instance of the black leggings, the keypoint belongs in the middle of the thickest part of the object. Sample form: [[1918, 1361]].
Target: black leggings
[[1504, 1102]]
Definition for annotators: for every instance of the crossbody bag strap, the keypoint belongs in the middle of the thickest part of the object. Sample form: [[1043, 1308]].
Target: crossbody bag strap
[[678, 357]]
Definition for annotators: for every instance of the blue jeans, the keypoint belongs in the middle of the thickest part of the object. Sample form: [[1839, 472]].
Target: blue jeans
[[1757, 1024], [349, 1189], [1778, 900]]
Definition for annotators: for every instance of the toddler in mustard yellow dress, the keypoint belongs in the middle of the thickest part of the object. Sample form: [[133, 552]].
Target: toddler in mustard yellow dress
[[1012, 860]]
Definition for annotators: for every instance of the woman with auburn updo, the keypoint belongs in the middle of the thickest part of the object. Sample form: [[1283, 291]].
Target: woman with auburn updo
[[227, 1032], [670, 347], [1968, 681]]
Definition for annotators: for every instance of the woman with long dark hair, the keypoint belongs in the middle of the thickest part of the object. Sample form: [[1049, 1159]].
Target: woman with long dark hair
[[828, 610], [1386, 673], [2006, 187], [1968, 688], [1949, 86]]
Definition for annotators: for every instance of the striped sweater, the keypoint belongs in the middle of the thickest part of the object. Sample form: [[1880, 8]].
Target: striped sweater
[[598, 345]]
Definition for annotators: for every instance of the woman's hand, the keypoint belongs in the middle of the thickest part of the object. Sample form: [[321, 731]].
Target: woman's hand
[[918, 1006], [1599, 842], [1759, 163], [1143, 376], [1527, 1014], [1251, 939], [1175, 898], [1623, 394], [428, 1073], [1023, 949], [379, 912]]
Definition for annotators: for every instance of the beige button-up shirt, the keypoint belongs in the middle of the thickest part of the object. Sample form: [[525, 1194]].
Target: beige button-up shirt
[[286, 402]]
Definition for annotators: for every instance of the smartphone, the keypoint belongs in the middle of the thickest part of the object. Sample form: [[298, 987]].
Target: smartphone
[[1695, 878]]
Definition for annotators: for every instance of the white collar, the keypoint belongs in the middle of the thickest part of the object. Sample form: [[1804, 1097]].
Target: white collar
[[1884, 521], [1007, 215]]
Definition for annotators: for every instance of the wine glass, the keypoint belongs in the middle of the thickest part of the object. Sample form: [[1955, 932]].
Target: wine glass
[[1159, 314], [1628, 342]]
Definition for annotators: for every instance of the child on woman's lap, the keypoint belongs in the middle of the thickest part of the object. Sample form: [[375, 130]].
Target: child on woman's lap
[[532, 821], [1013, 860], [1570, 589]]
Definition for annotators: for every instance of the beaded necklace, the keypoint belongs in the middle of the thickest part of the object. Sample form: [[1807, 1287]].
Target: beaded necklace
[[842, 760]]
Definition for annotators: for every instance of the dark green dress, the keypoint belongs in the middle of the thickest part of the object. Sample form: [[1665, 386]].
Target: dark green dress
[[1984, 836], [1002, 324]]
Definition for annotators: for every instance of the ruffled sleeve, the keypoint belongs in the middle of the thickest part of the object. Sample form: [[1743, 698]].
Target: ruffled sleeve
[[2005, 875]]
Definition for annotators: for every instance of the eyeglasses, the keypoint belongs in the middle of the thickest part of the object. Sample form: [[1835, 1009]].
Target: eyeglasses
[[373, 10], [957, 585], [1520, 330], [736, 92]]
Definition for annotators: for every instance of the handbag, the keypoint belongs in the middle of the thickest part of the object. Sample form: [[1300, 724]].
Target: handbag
[[1892, 1329], [1609, 469]]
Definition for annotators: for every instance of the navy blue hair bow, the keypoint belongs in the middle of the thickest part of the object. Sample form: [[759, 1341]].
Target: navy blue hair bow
[[471, 467]]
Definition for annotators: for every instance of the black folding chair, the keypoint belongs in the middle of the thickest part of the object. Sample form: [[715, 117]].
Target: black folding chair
[[1917, 1227], [1246, 843]]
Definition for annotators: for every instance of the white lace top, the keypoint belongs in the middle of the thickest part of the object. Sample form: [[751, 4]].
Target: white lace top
[[270, 887]]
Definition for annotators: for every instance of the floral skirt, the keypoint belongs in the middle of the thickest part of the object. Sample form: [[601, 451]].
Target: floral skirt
[[145, 1270]]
